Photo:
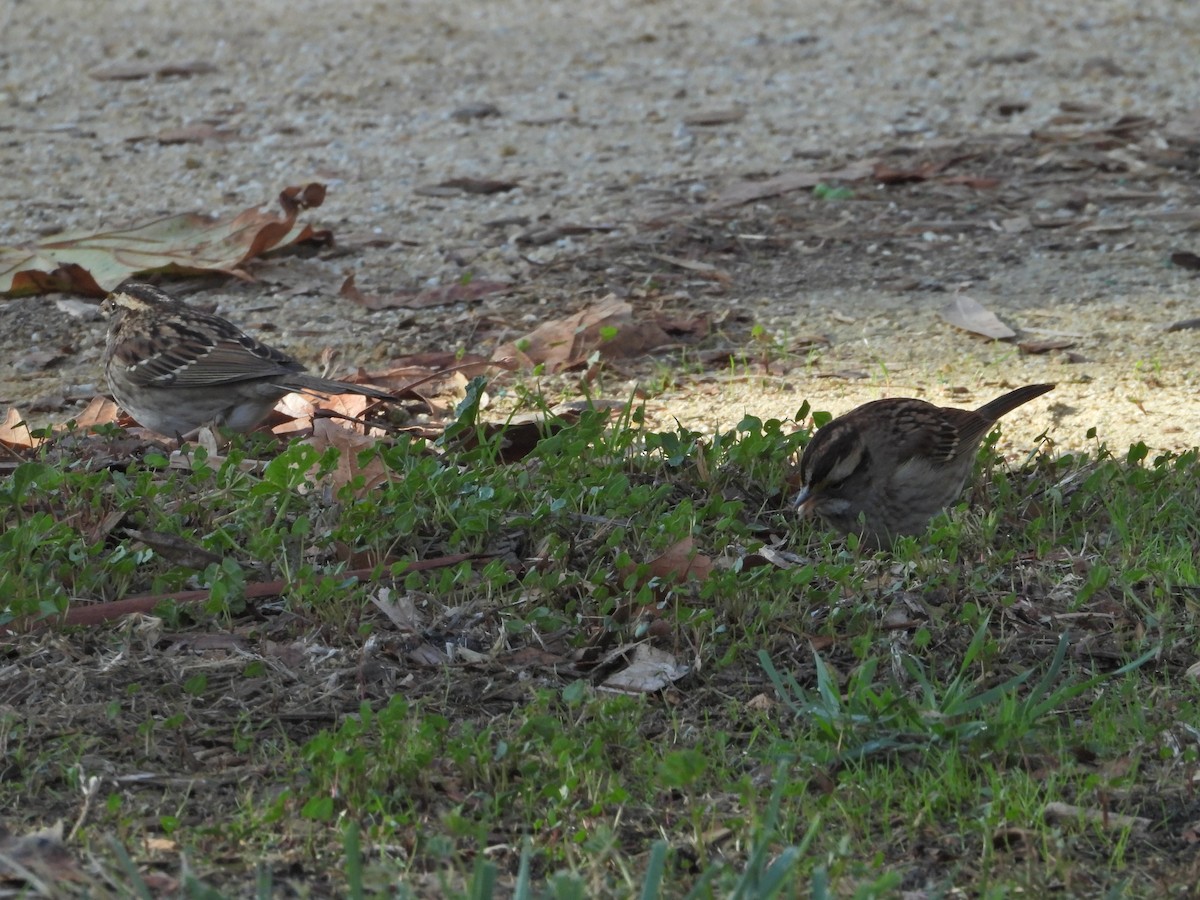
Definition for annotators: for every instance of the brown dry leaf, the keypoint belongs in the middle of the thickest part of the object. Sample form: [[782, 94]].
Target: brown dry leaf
[[761, 703], [1186, 259], [1191, 834], [296, 412], [440, 383], [177, 550], [15, 434], [479, 185], [293, 414], [348, 406], [694, 327], [327, 433], [551, 233], [427, 655], [292, 654], [749, 191], [521, 434], [705, 270], [1046, 345], [401, 610], [715, 117], [1067, 813], [563, 344], [37, 857], [781, 559], [680, 562], [885, 174], [464, 292], [99, 411], [96, 262], [967, 314], [650, 670], [136, 71]]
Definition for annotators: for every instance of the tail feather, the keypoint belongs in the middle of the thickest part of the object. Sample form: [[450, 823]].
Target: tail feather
[[313, 384], [1010, 401]]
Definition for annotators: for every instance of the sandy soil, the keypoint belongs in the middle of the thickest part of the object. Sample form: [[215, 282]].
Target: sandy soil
[[1063, 142]]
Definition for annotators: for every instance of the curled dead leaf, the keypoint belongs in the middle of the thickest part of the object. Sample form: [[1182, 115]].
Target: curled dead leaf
[[1045, 346], [648, 671], [15, 433], [328, 433], [95, 262], [563, 344], [967, 314], [680, 562]]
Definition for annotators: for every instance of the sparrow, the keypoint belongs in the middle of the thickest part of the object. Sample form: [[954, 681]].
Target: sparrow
[[886, 468], [174, 368]]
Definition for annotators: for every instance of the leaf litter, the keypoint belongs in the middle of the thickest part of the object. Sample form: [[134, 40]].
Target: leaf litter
[[189, 244], [606, 328]]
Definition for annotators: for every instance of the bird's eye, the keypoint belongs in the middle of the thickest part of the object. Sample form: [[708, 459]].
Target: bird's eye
[[835, 486]]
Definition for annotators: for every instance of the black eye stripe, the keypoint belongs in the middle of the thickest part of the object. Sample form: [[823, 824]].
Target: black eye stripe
[[828, 448]]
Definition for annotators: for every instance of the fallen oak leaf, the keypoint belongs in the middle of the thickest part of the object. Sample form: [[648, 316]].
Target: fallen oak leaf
[[1046, 345], [967, 314], [680, 562], [606, 327], [15, 433], [99, 411], [95, 262], [66, 277], [349, 467], [649, 670]]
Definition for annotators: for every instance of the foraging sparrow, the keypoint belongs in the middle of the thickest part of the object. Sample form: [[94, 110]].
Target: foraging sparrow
[[886, 468], [175, 368]]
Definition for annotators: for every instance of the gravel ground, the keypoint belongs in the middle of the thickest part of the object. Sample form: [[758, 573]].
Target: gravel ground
[[615, 115]]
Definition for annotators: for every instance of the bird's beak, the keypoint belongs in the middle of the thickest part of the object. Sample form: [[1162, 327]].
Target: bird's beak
[[803, 502]]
